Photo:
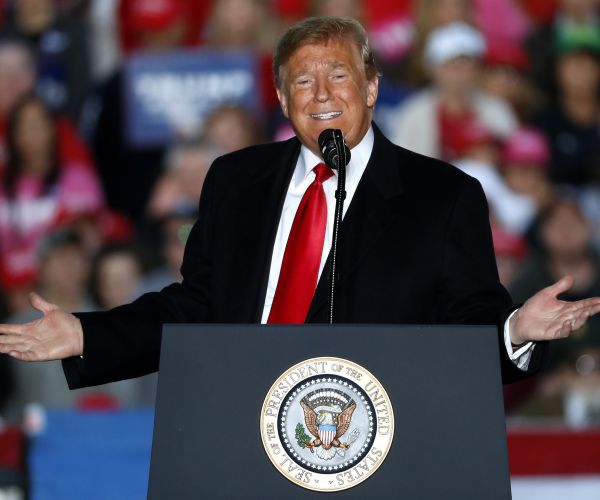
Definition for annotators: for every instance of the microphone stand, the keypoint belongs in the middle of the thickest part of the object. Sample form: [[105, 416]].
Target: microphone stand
[[340, 196]]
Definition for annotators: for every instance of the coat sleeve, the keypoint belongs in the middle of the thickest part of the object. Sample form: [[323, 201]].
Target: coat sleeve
[[470, 287], [125, 342]]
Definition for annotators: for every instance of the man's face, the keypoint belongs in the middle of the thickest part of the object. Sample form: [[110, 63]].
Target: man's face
[[457, 76], [325, 86]]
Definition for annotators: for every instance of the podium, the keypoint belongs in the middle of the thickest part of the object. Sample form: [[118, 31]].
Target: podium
[[221, 388]]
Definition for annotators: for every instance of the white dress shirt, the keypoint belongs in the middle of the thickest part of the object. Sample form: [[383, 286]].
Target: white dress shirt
[[303, 177]]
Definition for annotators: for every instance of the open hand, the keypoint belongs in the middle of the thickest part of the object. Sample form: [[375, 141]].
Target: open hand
[[545, 317], [57, 335]]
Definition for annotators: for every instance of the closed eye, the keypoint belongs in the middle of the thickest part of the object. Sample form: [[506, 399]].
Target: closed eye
[[338, 76], [303, 82]]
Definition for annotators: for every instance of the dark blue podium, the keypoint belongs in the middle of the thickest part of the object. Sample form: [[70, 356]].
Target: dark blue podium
[[449, 436]]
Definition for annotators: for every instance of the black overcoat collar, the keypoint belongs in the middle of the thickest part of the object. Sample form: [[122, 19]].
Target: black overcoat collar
[[260, 205]]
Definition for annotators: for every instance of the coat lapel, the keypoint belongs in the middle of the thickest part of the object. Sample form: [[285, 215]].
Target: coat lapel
[[373, 209], [258, 213]]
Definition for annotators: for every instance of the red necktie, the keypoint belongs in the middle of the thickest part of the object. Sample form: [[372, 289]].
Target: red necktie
[[302, 256]]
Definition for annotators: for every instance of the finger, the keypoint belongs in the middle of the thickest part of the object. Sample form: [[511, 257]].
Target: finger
[[572, 309], [25, 355], [585, 303], [40, 304], [576, 309], [591, 309], [565, 329], [10, 329], [16, 348], [562, 285], [582, 315], [10, 340]]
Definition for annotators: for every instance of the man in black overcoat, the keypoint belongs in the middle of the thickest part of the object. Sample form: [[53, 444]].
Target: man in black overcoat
[[415, 240]]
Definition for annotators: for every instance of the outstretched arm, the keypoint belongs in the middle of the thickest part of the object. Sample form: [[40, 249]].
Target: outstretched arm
[[57, 335], [545, 317]]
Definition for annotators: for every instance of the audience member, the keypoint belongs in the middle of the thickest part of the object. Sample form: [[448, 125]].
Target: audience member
[[391, 29], [95, 230], [524, 166], [186, 166], [502, 22], [62, 53], [570, 389], [539, 11], [430, 15], [105, 50], [477, 155], [250, 26], [429, 121], [175, 228], [510, 250], [565, 235], [246, 24], [163, 21], [116, 275], [63, 277], [17, 78], [232, 127], [339, 8], [581, 16], [572, 121], [504, 76], [129, 172], [39, 187], [18, 75]]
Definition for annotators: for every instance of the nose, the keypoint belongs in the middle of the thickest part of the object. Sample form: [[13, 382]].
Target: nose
[[322, 90]]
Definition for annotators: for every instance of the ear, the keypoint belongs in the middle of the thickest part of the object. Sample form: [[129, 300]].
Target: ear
[[372, 91], [283, 102]]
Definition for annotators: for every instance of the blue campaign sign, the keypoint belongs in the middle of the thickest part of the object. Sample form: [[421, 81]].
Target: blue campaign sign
[[168, 95]]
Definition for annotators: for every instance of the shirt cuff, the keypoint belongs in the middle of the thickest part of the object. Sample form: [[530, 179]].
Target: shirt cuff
[[521, 356]]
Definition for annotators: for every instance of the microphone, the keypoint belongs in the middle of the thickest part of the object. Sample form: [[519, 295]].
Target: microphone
[[337, 155], [331, 144]]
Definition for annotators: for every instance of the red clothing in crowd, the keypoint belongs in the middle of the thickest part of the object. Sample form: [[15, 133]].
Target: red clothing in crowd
[[33, 210], [451, 129], [28, 215], [135, 15]]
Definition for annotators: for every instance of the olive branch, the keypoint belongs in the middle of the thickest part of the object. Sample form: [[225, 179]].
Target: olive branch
[[301, 436]]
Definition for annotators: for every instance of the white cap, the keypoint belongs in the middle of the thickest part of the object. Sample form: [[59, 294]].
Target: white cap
[[453, 40]]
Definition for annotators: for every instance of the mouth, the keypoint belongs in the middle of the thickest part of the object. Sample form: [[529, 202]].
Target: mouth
[[325, 116]]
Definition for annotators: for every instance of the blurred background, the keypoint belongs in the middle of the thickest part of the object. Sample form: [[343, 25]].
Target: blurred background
[[111, 112]]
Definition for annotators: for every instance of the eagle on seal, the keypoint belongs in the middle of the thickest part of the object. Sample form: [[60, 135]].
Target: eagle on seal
[[327, 427]]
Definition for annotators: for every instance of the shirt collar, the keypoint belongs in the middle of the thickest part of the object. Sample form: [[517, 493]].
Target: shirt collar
[[359, 157]]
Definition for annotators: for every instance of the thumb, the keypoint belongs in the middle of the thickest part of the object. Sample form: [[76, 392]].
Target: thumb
[[562, 285], [40, 304]]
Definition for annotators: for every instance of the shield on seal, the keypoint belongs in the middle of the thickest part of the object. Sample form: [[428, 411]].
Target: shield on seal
[[327, 434]]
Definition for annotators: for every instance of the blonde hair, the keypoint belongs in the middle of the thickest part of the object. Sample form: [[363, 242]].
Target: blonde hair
[[320, 30]]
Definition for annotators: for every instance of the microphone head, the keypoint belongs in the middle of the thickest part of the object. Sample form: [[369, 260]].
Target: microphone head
[[332, 146]]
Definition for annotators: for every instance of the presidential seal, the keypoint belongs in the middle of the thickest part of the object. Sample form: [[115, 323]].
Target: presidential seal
[[327, 424]]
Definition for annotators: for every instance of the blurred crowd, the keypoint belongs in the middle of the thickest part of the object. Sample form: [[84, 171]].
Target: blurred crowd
[[506, 90]]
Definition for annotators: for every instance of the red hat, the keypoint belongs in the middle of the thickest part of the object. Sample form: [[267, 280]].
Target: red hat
[[147, 15], [470, 135], [506, 243], [507, 54], [115, 227], [526, 146]]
